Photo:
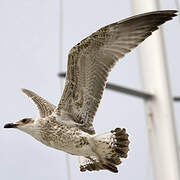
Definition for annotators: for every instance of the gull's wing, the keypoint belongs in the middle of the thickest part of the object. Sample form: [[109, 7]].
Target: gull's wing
[[90, 61], [45, 108], [95, 165], [87, 164]]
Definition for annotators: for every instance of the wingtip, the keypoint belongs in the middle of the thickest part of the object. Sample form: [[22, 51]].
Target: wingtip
[[23, 90], [172, 12], [26, 91]]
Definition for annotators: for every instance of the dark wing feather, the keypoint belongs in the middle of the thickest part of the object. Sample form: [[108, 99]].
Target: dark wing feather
[[90, 61]]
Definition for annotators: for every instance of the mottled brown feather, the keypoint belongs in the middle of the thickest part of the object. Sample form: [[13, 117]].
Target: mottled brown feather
[[45, 108], [90, 61]]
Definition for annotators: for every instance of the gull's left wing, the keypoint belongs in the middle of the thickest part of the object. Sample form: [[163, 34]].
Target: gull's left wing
[[45, 108], [91, 60]]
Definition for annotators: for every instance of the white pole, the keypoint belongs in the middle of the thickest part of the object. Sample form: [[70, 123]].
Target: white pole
[[159, 110]]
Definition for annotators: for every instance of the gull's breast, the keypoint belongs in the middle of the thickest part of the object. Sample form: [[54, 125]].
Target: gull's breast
[[66, 138]]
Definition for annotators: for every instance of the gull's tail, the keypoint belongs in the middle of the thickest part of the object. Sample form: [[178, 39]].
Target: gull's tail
[[109, 148]]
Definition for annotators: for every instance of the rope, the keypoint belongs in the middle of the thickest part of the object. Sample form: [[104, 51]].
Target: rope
[[61, 80]]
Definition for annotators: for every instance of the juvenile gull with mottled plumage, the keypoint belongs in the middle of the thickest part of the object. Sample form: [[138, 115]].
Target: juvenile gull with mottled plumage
[[69, 126]]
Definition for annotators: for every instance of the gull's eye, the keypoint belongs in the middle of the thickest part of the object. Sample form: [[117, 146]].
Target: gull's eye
[[25, 120]]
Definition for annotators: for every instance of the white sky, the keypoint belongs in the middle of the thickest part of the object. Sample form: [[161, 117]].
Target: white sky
[[29, 57]]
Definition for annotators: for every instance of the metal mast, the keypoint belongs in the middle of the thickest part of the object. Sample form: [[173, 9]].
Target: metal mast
[[159, 110]]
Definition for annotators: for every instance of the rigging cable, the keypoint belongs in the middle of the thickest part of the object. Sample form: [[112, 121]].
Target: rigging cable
[[61, 69]]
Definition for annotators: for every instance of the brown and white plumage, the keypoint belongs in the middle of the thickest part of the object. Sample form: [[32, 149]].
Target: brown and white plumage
[[69, 126], [45, 108], [91, 60]]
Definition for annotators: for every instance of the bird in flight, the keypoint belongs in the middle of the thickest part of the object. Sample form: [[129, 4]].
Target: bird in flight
[[69, 125]]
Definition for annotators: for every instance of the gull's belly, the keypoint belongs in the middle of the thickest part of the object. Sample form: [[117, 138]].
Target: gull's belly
[[84, 150]]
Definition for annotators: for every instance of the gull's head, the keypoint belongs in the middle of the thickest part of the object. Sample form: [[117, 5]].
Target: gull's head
[[27, 125]]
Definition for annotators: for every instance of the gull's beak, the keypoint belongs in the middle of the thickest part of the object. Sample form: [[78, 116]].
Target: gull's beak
[[10, 125]]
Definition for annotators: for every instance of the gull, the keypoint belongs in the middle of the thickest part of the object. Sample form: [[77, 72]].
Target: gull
[[69, 125]]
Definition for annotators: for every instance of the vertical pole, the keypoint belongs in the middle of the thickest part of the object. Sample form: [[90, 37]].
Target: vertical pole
[[159, 110], [61, 70]]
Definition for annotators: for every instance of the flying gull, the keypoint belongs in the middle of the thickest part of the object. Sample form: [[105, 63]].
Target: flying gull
[[69, 126]]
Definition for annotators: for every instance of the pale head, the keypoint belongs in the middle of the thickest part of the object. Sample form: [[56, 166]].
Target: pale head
[[27, 125]]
